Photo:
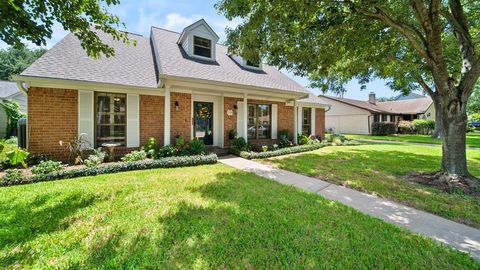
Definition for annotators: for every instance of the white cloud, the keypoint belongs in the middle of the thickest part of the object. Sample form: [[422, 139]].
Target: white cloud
[[176, 22]]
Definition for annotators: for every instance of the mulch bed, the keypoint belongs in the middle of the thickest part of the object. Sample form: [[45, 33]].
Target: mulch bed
[[450, 184]]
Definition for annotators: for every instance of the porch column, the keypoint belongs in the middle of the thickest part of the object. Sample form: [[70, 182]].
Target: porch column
[[295, 124], [245, 116], [166, 127]]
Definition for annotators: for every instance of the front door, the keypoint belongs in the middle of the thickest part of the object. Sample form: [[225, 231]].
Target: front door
[[203, 121]]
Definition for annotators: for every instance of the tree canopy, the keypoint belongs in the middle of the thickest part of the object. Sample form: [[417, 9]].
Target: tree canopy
[[413, 44], [14, 61], [22, 20]]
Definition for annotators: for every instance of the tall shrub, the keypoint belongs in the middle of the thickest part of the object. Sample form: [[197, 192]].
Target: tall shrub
[[421, 126], [383, 128]]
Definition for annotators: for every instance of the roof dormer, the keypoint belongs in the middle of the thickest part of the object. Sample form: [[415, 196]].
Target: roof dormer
[[199, 40], [246, 63]]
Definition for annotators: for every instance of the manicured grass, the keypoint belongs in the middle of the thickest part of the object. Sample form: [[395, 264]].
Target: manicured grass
[[473, 139], [379, 168], [205, 217]]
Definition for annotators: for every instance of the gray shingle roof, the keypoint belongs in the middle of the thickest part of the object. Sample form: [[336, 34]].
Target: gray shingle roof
[[313, 99], [173, 61], [360, 104], [409, 106], [8, 88], [132, 65]]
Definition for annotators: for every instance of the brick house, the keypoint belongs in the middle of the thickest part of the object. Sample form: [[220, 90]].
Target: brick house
[[170, 84]]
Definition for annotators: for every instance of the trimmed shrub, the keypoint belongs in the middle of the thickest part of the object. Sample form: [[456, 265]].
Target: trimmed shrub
[[47, 166], [284, 142], [134, 156], [303, 139], [196, 147], [240, 144], [405, 127], [151, 147], [167, 151], [12, 176], [279, 152], [421, 126], [170, 162], [383, 128]]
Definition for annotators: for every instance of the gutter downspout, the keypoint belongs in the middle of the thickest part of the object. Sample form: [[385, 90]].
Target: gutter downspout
[[22, 87]]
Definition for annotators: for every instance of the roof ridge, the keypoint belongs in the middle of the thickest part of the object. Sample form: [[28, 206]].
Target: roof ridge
[[179, 33]]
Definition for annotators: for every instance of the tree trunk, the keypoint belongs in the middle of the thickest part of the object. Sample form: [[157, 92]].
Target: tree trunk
[[437, 133], [454, 120]]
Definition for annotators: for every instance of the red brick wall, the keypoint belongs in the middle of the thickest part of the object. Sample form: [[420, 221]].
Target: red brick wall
[[320, 122], [285, 118], [52, 117], [181, 120], [152, 111]]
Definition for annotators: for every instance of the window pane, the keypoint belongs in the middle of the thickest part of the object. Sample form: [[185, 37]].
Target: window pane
[[202, 47], [307, 121], [251, 125], [111, 118], [263, 121]]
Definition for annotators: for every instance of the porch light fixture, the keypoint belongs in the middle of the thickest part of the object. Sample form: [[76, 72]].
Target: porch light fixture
[[236, 108], [177, 105]]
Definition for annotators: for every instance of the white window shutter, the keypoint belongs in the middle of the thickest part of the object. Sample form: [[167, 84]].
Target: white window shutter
[[299, 120], [133, 120], [86, 116], [274, 121], [313, 122], [240, 119]]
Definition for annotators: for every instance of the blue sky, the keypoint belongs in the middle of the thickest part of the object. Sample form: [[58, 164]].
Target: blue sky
[[139, 15]]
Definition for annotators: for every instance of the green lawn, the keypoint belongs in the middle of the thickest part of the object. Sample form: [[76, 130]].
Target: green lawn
[[473, 139], [205, 217], [378, 169]]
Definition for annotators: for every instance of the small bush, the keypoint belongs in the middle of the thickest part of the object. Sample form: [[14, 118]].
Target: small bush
[[421, 126], [170, 162], [405, 127], [240, 144], [95, 159], [167, 151], [232, 134], [284, 143], [135, 156], [383, 128], [45, 167], [196, 147], [264, 148], [151, 147], [12, 176], [275, 146], [303, 139], [283, 134]]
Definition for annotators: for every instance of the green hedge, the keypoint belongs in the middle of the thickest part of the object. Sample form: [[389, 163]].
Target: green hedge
[[383, 128], [169, 162], [279, 152]]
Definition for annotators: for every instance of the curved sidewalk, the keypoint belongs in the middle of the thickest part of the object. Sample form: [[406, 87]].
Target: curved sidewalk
[[457, 235], [411, 143]]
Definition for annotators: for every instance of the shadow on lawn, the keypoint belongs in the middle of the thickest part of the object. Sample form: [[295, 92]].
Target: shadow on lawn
[[27, 221], [249, 222]]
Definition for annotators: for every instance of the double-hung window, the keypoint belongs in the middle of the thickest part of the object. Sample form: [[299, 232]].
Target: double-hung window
[[306, 121], [202, 47], [259, 121], [110, 118], [384, 118]]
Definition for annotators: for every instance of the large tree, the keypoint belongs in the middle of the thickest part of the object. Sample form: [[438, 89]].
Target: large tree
[[13, 61], [32, 20], [430, 43]]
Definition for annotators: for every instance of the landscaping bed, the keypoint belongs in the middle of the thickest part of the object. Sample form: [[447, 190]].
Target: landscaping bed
[[85, 161], [286, 147]]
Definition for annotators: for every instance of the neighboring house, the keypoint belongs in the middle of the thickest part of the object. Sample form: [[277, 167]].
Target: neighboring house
[[9, 91], [170, 84], [356, 116], [408, 96]]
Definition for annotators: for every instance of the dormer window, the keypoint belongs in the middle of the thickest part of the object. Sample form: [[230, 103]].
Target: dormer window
[[202, 47], [253, 64]]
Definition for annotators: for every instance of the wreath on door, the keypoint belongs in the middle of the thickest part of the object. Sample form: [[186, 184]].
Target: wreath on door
[[204, 113]]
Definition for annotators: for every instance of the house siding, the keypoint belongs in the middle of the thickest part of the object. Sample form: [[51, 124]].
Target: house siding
[[52, 117], [320, 122], [181, 120], [152, 110]]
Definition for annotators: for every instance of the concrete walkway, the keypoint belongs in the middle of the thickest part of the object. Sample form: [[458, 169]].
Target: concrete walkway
[[411, 143], [460, 236]]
